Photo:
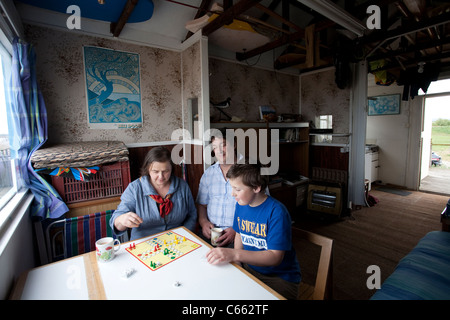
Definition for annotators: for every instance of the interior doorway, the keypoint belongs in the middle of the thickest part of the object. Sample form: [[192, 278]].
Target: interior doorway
[[435, 158]]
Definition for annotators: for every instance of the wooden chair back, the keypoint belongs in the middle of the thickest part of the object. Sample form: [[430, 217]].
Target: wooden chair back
[[322, 289]]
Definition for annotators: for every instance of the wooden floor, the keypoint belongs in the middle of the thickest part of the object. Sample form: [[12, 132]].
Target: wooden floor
[[380, 235]]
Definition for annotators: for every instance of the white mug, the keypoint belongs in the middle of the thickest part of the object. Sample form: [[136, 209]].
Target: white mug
[[105, 249], [215, 234]]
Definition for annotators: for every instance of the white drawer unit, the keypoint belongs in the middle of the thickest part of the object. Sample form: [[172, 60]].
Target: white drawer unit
[[374, 165], [371, 167]]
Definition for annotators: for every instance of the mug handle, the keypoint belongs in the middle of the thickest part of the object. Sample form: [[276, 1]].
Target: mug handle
[[118, 247]]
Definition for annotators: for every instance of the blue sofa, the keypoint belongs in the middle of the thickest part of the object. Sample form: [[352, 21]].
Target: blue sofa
[[423, 274]]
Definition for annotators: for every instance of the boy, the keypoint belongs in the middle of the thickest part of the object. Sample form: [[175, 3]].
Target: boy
[[263, 233]]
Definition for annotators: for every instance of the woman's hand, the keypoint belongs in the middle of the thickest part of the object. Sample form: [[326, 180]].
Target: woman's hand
[[127, 220]]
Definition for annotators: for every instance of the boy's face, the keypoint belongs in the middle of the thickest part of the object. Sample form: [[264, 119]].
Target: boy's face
[[243, 194]]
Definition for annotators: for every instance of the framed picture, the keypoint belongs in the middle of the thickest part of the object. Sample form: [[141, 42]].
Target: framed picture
[[112, 88], [384, 105]]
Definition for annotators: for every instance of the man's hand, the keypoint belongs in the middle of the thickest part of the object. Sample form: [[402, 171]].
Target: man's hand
[[226, 238]]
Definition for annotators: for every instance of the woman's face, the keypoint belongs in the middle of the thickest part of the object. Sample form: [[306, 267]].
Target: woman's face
[[219, 146], [160, 173]]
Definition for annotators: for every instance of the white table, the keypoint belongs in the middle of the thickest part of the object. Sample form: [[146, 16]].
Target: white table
[[82, 277]]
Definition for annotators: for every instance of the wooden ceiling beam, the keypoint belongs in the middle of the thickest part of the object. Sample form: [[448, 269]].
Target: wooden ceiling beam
[[228, 15], [411, 49], [272, 6], [116, 27], [411, 63]]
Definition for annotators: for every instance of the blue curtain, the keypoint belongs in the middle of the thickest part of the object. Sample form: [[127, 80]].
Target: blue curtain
[[27, 122]]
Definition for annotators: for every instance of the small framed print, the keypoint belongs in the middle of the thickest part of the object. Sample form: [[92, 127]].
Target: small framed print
[[384, 105]]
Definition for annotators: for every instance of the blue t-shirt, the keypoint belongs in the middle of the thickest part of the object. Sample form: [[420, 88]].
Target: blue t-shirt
[[268, 227]]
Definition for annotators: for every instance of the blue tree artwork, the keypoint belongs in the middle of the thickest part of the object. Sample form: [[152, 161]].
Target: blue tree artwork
[[112, 88], [384, 105]]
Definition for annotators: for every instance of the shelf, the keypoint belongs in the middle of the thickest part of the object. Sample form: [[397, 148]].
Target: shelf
[[288, 125], [331, 134], [293, 142], [272, 125]]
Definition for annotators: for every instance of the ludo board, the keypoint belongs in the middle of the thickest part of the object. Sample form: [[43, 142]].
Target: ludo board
[[162, 249]]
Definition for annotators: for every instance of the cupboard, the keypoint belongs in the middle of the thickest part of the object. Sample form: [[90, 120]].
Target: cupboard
[[287, 146]]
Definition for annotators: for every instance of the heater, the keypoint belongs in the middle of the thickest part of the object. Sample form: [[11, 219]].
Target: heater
[[323, 198]]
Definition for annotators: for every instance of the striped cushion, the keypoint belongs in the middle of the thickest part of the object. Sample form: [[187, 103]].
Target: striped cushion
[[81, 233]]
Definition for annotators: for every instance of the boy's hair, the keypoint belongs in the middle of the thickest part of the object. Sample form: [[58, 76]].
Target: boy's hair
[[250, 174]]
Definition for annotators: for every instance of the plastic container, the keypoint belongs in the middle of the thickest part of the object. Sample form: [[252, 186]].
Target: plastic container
[[109, 181]]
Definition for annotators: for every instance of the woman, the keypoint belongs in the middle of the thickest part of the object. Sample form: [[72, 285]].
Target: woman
[[155, 202]]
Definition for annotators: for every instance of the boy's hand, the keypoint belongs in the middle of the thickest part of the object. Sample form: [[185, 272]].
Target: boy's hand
[[220, 255]]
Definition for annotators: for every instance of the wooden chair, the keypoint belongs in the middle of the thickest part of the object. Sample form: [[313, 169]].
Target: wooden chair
[[322, 288]]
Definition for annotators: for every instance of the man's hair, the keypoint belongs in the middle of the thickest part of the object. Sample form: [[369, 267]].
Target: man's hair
[[250, 175]]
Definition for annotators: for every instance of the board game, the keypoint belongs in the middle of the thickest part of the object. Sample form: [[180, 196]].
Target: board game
[[158, 251]]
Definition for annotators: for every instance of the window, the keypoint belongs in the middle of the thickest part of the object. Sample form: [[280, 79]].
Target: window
[[437, 87], [8, 179], [324, 122]]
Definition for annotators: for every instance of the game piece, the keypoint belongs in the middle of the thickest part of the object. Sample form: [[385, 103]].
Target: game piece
[[128, 273]]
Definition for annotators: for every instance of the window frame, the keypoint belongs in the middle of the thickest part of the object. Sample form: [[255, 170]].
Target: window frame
[[10, 201]]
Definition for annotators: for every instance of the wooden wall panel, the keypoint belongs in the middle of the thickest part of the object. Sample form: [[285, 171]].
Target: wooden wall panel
[[328, 157]]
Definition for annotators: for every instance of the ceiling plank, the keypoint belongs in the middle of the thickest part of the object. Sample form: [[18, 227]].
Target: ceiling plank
[[272, 6], [278, 17], [203, 9], [401, 31], [285, 39], [116, 27], [228, 15]]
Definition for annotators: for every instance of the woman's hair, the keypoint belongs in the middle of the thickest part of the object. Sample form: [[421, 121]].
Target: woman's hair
[[156, 154], [250, 174]]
